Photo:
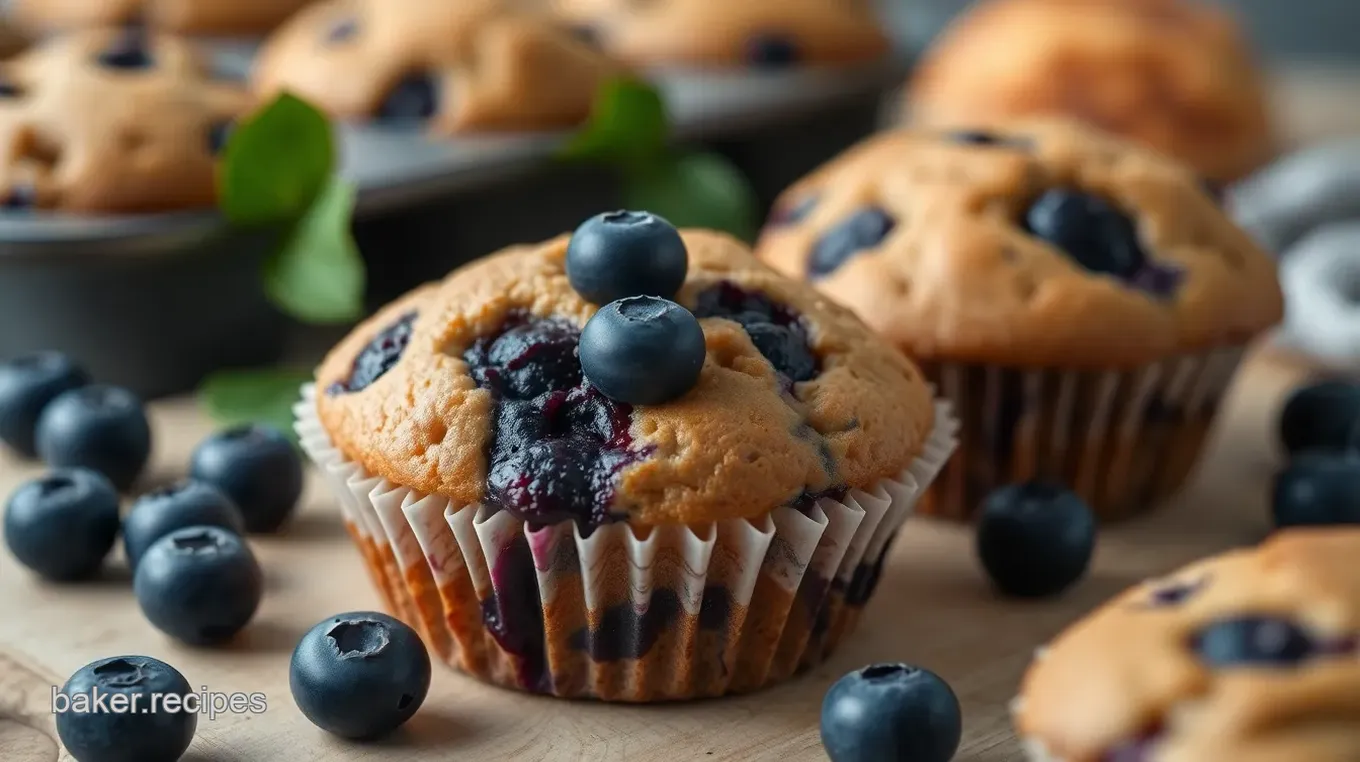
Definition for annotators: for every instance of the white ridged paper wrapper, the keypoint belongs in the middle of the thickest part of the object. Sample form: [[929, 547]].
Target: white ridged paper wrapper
[[1123, 440], [627, 614]]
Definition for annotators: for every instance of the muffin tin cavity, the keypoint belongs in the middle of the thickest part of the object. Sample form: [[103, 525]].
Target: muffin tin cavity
[[777, 331], [378, 357], [557, 443], [864, 229]]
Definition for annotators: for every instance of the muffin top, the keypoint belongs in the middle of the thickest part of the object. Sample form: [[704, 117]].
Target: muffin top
[[111, 121], [1041, 243], [456, 66], [1173, 74], [759, 33], [1247, 657], [472, 388], [190, 16]]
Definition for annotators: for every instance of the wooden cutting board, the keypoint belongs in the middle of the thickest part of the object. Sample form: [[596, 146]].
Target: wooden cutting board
[[932, 608]]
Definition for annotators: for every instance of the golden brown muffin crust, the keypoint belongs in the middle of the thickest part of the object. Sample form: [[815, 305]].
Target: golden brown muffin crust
[[959, 279], [186, 16], [1128, 668], [1173, 74], [715, 33], [498, 66], [86, 137], [735, 446]]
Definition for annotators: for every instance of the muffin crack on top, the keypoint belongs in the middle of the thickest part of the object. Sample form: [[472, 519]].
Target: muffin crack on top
[[472, 389]]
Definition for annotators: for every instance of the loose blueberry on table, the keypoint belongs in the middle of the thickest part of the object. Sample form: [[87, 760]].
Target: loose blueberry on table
[[258, 468], [1317, 489], [179, 506], [27, 384], [103, 428], [1035, 540], [360, 675], [1320, 416], [63, 525], [620, 254], [200, 585], [159, 731], [891, 713]]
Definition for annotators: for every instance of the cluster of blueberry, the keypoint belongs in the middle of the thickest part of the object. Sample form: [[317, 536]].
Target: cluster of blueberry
[[1320, 431]]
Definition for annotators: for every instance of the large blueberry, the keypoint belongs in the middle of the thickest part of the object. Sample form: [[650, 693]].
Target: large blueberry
[[200, 585], [103, 428], [378, 356], [1253, 641], [1089, 229], [864, 229], [1318, 489], [772, 51], [359, 675], [1320, 416], [615, 255], [643, 350], [414, 98], [126, 709], [1035, 540], [891, 713], [182, 505], [63, 525], [27, 384], [257, 467]]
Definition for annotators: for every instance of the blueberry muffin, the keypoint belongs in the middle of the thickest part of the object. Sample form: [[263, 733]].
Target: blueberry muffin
[[1081, 300], [638, 501], [713, 33], [1175, 75], [456, 66], [111, 121], [183, 16], [1247, 657]]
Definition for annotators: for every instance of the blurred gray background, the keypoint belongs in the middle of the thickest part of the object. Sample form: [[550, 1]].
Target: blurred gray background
[[1321, 31]]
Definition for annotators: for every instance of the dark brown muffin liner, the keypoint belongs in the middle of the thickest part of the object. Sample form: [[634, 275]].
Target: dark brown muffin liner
[[624, 613], [1123, 440]]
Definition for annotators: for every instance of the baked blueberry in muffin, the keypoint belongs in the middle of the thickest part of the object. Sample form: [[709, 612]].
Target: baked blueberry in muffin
[[1082, 300], [526, 446]]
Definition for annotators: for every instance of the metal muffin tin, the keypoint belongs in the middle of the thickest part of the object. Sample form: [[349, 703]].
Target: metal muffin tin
[[155, 302]]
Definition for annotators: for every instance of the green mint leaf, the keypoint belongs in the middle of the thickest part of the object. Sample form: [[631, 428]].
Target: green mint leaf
[[318, 275], [275, 163], [266, 395], [697, 190], [628, 126]]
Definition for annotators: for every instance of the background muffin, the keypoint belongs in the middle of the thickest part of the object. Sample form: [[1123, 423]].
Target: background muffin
[[187, 16], [1175, 75], [714, 543], [1083, 301]]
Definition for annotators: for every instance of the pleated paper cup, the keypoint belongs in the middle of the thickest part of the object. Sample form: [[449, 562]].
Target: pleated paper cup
[[624, 613], [1123, 440]]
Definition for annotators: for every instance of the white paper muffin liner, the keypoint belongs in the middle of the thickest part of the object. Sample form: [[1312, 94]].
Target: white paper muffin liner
[[1123, 440], [627, 613]]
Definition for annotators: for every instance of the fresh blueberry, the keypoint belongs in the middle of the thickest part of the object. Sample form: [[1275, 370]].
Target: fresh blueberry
[[415, 98], [63, 525], [1320, 416], [126, 709], [379, 356], [359, 675], [891, 713], [218, 135], [27, 384], [643, 350], [257, 467], [864, 229], [1035, 540], [179, 506], [199, 585], [129, 51], [615, 255], [103, 428], [1253, 641], [1089, 229], [1318, 489], [772, 51]]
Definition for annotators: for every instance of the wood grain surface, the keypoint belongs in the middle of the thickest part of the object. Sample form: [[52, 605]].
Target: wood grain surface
[[933, 608]]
